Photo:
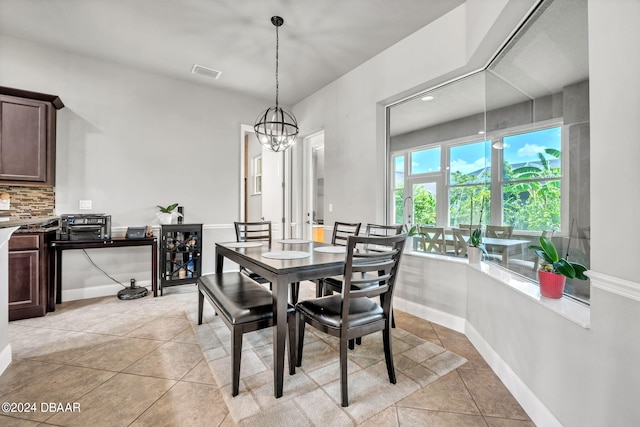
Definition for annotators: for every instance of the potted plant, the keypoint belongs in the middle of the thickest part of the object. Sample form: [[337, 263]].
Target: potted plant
[[412, 231], [554, 270], [475, 247], [167, 214]]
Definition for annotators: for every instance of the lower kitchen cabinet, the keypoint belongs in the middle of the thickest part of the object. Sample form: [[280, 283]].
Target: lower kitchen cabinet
[[29, 275]]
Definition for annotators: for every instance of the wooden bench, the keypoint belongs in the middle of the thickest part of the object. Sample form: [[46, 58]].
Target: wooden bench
[[244, 306]]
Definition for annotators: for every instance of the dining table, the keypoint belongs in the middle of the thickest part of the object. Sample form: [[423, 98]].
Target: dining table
[[283, 262], [495, 242]]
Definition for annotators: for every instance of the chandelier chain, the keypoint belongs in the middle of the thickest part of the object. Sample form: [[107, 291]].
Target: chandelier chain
[[277, 49]]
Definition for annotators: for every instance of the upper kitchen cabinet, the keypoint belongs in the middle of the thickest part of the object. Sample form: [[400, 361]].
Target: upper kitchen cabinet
[[27, 137]]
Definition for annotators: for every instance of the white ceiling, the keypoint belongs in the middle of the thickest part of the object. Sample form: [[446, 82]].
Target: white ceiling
[[550, 54], [320, 40]]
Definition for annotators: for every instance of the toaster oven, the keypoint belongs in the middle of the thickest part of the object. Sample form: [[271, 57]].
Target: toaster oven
[[85, 227]]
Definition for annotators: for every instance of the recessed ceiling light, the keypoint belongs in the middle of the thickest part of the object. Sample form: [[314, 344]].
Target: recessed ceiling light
[[205, 71], [428, 98], [480, 132]]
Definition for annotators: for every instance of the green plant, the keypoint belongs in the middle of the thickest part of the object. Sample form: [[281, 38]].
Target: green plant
[[169, 208], [553, 263], [414, 230]]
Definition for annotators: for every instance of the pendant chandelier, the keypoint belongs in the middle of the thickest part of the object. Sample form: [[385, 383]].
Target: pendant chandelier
[[276, 128]]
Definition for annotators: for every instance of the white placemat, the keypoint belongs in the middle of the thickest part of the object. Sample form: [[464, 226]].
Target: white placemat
[[242, 244], [286, 254], [332, 249], [293, 241]]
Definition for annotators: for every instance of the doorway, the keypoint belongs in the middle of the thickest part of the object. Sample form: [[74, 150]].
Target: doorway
[[262, 183], [314, 186]]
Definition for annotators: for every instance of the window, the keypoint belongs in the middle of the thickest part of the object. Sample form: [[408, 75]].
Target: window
[[531, 173], [508, 143], [469, 173], [257, 175]]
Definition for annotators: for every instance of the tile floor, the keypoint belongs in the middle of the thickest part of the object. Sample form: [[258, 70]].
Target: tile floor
[[146, 362]]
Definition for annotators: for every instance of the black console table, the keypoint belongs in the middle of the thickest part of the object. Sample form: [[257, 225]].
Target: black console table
[[61, 245]]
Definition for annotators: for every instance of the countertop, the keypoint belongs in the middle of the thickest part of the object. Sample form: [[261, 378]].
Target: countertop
[[33, 223]]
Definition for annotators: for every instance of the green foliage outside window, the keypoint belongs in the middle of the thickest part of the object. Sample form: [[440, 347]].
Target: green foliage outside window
[[533, 205]]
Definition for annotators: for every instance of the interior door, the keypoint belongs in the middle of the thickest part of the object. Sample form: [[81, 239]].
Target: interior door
[[272, 190]]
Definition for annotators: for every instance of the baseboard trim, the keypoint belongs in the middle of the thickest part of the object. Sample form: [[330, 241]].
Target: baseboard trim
[[615, 285], [5, 358], [97, 291], [432, 315], [533, 406]]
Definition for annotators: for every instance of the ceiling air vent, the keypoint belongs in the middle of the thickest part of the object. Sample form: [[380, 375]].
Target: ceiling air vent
[[204, 71]]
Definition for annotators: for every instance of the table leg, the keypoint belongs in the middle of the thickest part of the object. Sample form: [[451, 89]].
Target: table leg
[[279, 332], [219, 262], [154, 268], [58, 276]]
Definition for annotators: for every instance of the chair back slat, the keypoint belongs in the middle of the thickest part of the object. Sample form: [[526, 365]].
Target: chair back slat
[[381, 266], [499, 231], [433, 240], [459, 242], [342, 231], [253, 231]]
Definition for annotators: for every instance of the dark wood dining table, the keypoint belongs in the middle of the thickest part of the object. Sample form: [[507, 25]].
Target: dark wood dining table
[[282, 273]]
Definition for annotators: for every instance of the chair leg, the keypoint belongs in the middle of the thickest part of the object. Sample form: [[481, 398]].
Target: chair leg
[[291, 324], [351, 345], [388, 353], [200, 306], [343, 372], [300, 322], [319, 288], [359, 340], [236, 353], [295, 292]]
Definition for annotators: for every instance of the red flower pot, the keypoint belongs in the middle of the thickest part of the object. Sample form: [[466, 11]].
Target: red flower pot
[[551, 284]]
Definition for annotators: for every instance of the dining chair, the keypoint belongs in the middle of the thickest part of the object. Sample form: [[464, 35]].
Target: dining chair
[[528, 264], [433, 240], [244, 306], [459, 242], [334, 284], [498, 232], [355, 312], [257, 231], [469, 227], [341, 232]]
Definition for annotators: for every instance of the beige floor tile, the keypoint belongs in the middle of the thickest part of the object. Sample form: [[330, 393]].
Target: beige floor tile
[[447, 334], [25, 343], [120, 325], [24, 371], [418, 417], [200, 374], [6, 421], [184, 406], [322, 409], [67, 348], [119, 401], [118, 353], [444, 362], [172, 360], [186, 336], [465, 349], [162, 328], [492, 397], [447, 394], [503, 422], [385, 418], [64, 385]]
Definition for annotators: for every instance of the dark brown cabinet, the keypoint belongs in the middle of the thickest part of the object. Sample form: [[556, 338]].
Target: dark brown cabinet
[[27, 137], [29, 275]]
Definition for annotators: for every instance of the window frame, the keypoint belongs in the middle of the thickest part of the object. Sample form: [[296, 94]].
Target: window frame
[[496, 183]]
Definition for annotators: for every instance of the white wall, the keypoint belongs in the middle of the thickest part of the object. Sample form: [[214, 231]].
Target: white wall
[[563, 372], [130, 140]]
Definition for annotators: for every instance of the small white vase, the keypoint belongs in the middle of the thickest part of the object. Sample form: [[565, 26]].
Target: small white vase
[[474, 254]]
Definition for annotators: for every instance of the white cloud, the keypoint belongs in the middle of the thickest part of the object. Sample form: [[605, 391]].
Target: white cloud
[[529, 150], [464, 167]]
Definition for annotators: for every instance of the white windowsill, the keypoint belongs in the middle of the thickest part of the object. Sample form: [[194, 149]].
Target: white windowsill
[[574, 311]]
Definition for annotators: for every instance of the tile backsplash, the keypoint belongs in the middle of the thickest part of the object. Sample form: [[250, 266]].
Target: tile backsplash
[[30, 201]]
